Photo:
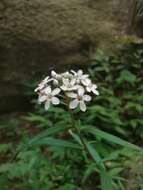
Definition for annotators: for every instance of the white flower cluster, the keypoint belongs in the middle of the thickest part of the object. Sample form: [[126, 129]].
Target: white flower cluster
[[71, 88]]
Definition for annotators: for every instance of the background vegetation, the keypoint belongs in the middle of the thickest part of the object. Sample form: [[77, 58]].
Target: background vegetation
[[118, 110]]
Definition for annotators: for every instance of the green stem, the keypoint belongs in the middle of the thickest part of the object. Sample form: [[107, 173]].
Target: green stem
[[79, 134]]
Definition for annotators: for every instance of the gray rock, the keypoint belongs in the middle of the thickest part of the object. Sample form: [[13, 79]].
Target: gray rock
[[39, 35]]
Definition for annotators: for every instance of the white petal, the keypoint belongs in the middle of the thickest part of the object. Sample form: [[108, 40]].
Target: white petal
[[47, 90], [66, 74], [88, 89], [36, 89], [85, 76], [41, 86], [43, 82], [73, 72], [55, 100], [64, 88], [55, 82], [53, 74], [80, 91], [71, 89], [71, 95], [73, 104], [58, 77], [46, 79], [56, 91], [82, 106], [94, 86], [47, 105], [49, 80], [86, 81], [77, 80], [75, 87], [78, 86], [72, 82], [80, 72], [65, 81], [42, 98], [87, 98], [95, 92]]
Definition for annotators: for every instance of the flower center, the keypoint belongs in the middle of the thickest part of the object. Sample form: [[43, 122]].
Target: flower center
[[50, 96], [79, 98]]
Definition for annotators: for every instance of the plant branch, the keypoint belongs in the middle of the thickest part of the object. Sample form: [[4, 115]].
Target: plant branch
[[79, 133]]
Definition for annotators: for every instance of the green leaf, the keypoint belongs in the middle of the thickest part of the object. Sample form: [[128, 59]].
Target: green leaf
[[91, 167], [95, 155], [126, 75], [111, 138], [46, 133], [116, 171], [106, 181], [76, 137], [39, 137], [55, 142], [35, 118], [5, 147]]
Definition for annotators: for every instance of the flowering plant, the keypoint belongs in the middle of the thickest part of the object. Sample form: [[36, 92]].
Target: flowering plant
[[75, 89], [69, 88]]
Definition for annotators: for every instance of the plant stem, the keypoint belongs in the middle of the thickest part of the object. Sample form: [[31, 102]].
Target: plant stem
[[79, 133]]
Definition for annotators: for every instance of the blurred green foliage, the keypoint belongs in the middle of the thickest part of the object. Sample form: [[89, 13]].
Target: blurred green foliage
[[120, 104], [51, 157]]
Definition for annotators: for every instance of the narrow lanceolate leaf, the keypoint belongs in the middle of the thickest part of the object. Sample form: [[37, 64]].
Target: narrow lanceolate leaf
[[76, 137], [55, 142], [46, 133], [95, 155], [111, 138], [106, 182]]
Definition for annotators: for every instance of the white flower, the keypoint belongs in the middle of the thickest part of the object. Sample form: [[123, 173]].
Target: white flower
[[48, 96], [72, 86], [69, 84], [55, 75], [80, 77], [55, 78], [79, 99], [42, 84], [92, 88], [67, 75]]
